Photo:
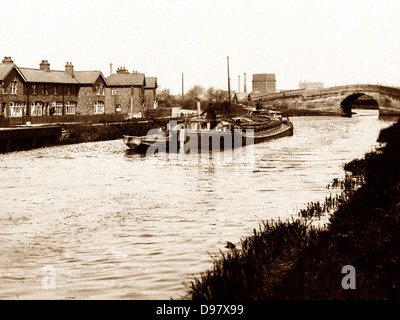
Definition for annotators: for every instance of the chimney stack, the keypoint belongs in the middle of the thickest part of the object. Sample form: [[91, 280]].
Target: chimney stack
[[45, 65], [244, 85], [239, 84], [122, 70], [111, 69], [69, 68], [7, 60]]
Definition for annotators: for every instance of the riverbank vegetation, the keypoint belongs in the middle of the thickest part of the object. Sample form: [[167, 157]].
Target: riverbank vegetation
[[300, 260]]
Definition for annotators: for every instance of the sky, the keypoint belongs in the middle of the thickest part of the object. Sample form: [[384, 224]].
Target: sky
[[336, 42]]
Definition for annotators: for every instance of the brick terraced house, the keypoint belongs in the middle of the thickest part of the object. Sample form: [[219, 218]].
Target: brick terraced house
[[127, 92], [52, 96], [13, 90]]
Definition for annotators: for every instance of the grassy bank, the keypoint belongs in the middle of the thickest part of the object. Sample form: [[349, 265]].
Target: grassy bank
[[295, 260]]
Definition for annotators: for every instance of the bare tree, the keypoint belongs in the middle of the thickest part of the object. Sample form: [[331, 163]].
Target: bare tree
[[210, 94], [163, 94], [221, 95], [195, 93]]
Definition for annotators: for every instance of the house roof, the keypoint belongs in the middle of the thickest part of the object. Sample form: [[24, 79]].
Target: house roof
[[88, 77], [127, 79], [42, 76], [6, 68], [151, 83]]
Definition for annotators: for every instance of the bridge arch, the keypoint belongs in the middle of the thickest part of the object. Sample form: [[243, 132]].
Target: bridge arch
[[336, 100], [357, 100]]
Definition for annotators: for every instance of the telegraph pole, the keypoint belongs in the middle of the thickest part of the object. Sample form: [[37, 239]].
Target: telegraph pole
[[182, 88], [229, 86]]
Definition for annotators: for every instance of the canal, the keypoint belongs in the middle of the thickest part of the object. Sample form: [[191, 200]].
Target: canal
[[97, 221]]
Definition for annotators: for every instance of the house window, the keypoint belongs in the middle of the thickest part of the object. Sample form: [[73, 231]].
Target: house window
[[70, 108], [3, 86], [103, 91], [113, 92], [14, 87], [98, 90], [36, 109], [55, 90], [56, 108], [45, 108], [99, 107], [34, 89], [17, 109]]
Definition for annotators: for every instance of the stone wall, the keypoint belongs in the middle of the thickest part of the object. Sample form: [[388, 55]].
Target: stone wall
[[331, 99]]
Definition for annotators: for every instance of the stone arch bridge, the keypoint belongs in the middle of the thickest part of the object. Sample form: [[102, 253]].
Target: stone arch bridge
[[335, 100]]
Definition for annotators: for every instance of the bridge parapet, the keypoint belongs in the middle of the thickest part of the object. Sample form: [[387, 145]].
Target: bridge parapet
[[335, 99], [356, 88]]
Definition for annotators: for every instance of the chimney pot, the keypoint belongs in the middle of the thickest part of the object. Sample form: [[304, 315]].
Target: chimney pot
[[45, 65], [7, 60], [122, 70]]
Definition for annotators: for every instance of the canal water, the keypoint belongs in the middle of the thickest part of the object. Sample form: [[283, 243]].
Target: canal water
[[97, 221]]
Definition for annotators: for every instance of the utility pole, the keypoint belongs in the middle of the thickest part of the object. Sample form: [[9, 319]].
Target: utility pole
[[182, 88], [229, 86]]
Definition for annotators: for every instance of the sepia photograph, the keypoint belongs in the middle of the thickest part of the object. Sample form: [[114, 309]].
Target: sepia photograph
[[188, 152]]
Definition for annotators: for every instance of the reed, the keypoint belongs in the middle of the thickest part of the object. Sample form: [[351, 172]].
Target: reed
[[346, 188], [246, 272], [296, 260]]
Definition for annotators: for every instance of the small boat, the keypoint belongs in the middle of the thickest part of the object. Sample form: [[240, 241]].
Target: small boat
[[196, 134], [142, 143]]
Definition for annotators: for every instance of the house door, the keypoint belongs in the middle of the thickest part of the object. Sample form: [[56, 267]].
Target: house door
[[3, 110]]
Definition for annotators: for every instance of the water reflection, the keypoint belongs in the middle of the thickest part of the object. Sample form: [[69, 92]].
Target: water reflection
[[116, 224]]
